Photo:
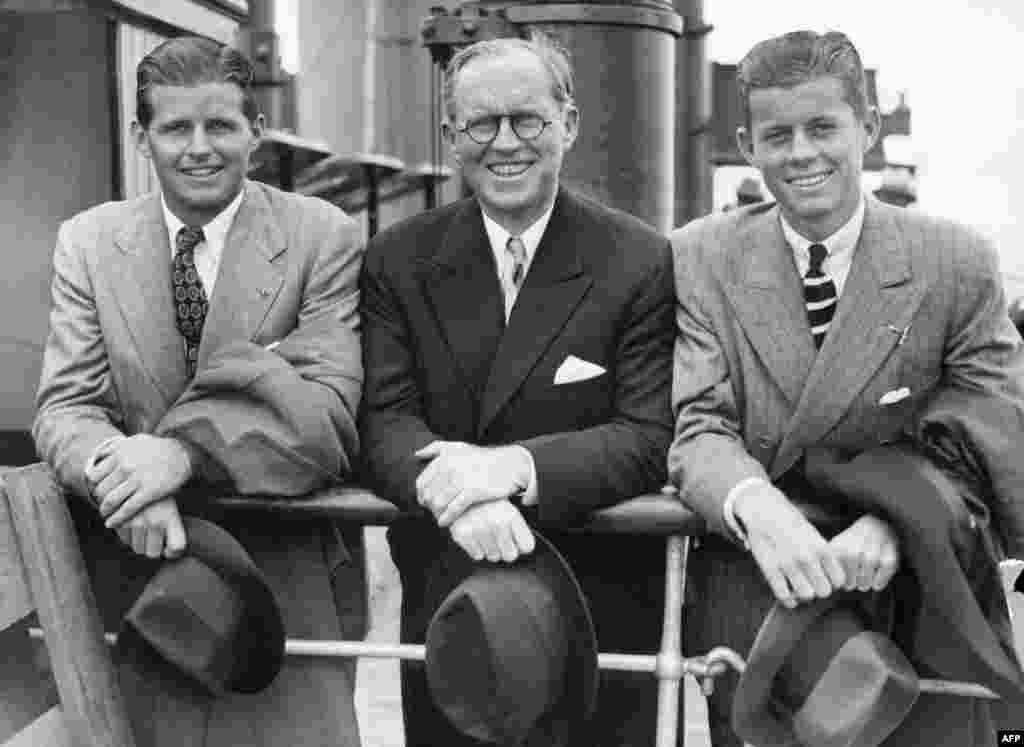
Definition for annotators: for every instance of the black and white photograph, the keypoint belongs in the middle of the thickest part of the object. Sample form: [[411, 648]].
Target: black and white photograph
[[513, 373]]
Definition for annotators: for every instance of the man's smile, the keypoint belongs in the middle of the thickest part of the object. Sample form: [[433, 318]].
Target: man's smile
[[810, 181], [202, 172], [509, 168]]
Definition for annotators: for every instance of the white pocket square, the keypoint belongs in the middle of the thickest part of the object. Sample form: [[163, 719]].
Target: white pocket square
[[576, 369], [894, 396]]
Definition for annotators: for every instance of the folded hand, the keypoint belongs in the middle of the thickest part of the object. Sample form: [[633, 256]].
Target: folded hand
[[869, 552], [462, 475], [135, 472], [798, 563], [155, 531], [495, 530]]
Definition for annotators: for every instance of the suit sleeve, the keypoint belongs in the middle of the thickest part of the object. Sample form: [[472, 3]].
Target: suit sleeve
[[76, 404], [393, 422], [580, 471], [284, 421], [707, 456], [984, 354], [983, 349]]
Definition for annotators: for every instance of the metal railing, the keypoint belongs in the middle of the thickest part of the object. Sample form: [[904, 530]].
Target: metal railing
[[656, 515]]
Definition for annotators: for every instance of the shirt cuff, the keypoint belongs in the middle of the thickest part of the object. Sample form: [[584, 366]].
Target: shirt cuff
[[529, 497], [729, 515]]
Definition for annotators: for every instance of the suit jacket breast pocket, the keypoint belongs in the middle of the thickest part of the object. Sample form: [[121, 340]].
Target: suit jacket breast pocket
[[587, 402], [892, 409]]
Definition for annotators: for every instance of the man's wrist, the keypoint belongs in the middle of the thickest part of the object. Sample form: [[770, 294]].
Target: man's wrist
[[191, 457], [526, 475], [736, 495]]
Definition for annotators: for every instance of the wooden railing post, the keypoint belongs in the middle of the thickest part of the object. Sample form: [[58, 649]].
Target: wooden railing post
[[91, 702]]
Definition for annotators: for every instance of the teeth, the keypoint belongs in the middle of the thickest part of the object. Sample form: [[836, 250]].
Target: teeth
[[201, 172], [809, 181], [509, 169]]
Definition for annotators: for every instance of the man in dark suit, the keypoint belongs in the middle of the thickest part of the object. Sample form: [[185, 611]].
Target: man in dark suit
[[518, 353], [823, 319], [205, 338]]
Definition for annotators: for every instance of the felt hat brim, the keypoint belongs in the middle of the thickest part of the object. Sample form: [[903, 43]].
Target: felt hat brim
[[862, 694], [237, 618]]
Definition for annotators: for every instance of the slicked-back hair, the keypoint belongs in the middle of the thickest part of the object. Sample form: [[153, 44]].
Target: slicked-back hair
[[800, 57], [552, 55], [191, 61]]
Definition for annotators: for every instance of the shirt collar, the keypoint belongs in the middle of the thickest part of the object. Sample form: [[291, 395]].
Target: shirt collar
[[531, 237], [842, 241], [215, 231]]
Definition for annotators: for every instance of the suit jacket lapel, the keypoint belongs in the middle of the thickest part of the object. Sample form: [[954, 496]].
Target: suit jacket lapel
[[768, 300], [880, 296], [250, 276], [461, 284], [553, 288], [140, 280]]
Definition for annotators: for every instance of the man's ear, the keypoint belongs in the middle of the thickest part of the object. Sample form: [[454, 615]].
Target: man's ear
[[571, 122], [872, 127], [259, 126], [141, 139], [745, 144]]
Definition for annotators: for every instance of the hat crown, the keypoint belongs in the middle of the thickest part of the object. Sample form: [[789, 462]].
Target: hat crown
[[211, 613], [818, 675], [511, 654], [498, 649]]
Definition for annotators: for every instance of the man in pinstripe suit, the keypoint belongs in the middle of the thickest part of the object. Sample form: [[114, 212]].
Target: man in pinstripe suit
[[821, 319]]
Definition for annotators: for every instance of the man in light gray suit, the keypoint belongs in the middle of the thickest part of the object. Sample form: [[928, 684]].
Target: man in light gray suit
[[205, 340], [819, 320]]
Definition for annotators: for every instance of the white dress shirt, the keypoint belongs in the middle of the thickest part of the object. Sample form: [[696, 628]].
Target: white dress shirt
[[499, 237], [531, 237], [837, 264], [840, 246], [209, 251]]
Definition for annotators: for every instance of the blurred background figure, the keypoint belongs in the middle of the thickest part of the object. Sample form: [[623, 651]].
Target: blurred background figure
[[898, 187], [747, 193]]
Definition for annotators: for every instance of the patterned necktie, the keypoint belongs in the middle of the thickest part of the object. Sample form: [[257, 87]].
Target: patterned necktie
[[189, 297], [516, 248], [819, 295]]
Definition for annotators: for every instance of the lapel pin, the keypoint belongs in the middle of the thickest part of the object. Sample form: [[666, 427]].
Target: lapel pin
[[264, 292], [902, 332]]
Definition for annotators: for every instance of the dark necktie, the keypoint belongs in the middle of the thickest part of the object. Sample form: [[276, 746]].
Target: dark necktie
[[517, 249], [819, 295], [190, 302]]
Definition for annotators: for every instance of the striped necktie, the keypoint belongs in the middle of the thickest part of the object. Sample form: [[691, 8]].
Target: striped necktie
[[190, 303], [819, 295]]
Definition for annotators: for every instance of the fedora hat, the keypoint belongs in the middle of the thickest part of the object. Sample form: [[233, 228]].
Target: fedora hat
[[818, 676], [210, 614], [511, 651]]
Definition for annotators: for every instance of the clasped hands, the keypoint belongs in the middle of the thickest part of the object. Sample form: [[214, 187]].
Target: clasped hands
[[800, 565], [467, 488], [133, 479]]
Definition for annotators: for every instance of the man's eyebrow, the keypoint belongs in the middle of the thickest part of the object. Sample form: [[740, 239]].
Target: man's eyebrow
[[174, 122]]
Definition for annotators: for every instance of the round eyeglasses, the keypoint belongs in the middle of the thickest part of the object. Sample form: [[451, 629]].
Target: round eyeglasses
[[484, 130]]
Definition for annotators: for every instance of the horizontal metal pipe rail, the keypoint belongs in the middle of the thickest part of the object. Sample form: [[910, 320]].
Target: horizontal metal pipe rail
[[713, 664]]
